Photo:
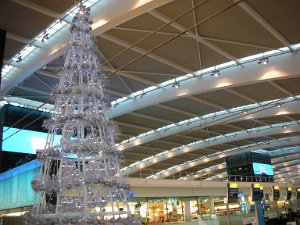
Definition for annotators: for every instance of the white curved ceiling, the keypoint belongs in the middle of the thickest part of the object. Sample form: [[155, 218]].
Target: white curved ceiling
[[162, 58]]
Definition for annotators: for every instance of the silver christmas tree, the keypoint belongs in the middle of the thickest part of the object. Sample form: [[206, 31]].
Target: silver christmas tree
[[79, 181]]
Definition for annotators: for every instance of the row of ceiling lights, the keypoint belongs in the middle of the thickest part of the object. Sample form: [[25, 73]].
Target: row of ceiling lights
[[263, 58], [217, 73], [44, 36]]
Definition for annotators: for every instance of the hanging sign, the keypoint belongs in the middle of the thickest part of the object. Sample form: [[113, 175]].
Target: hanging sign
[[276, 193], [261, 188], [298, 193], [255, 192], [288, 193], [232, 192]]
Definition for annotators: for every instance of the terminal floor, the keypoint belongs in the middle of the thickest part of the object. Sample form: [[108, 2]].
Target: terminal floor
[[235, 220]]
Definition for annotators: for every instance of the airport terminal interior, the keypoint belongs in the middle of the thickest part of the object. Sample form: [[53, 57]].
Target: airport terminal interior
[[128, 112]]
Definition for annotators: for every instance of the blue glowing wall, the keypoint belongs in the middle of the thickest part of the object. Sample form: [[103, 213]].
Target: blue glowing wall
[[15, 186], [25, 141]]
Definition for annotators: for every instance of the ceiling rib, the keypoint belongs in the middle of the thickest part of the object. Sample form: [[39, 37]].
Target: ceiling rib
[[146, 31], [43, 81], [200, 100], [248, 9], [159, 119], [192, 35], [194, 115], [142, 51], [288, 117], [147, 128], [114, 92], [218, 107], [131, 76], [34, 90], [241, 95], [154, 32], [287, 64], [170, 39], [277, 162], [237, 43], [280, 88], [195, 162], [160, 59], [250, 133], [114, 17], [125, 83], [122, 80], [248, 99], [151, 73], [20, 39], [288, 173], [177, 110], [48, 74], [205, 38], [197, 33], [234, 116], [38, 8], [221, 166]]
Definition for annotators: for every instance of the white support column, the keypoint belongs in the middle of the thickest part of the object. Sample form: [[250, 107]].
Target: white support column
[[187, 210]]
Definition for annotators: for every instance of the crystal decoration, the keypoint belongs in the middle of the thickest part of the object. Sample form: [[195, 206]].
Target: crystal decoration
[[79, 182]]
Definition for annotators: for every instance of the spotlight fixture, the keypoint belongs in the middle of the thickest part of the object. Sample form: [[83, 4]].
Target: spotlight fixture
[[19, 59], [45, 37], [142, 95], [263, 61], [215, 73], [176, 84]]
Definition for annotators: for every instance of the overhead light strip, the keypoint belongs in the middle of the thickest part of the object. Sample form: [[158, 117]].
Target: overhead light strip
[[192, 146], [207, 71], [221, 114], [51, 30]]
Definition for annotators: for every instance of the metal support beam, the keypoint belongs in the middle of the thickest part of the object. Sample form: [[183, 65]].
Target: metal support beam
[[262, 21], [43, 82], [38, 8], [280, 88], [146, 31], [251, 100], [21, 39], [48, 74], [198, 38], [43, 92], [143, 51]]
